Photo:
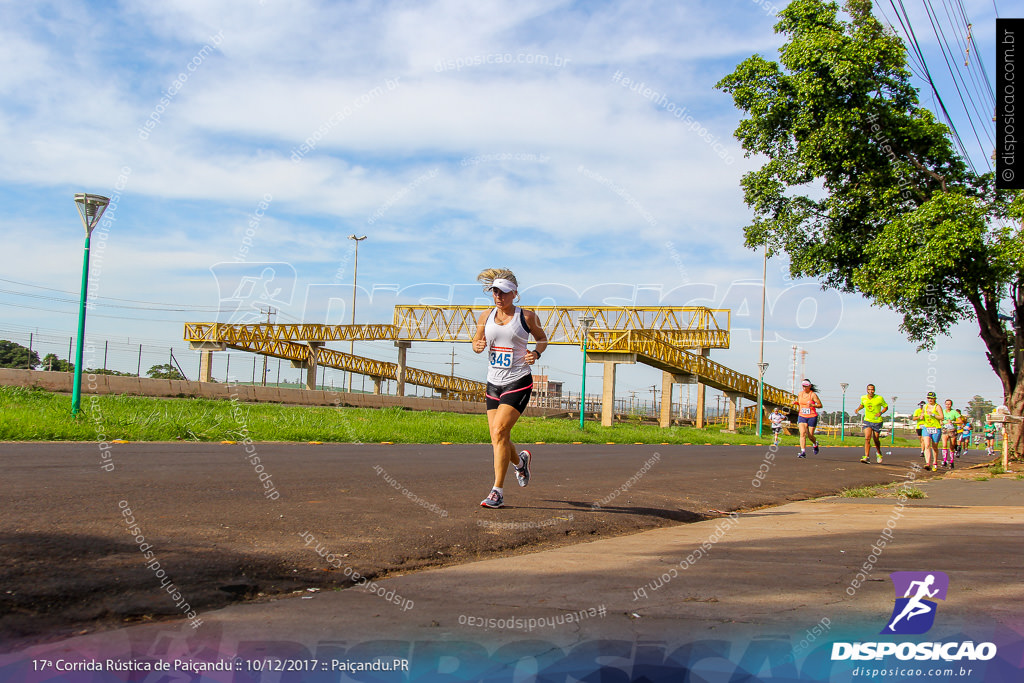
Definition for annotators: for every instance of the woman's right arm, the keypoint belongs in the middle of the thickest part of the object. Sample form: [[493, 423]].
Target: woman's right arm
[[479, 339]]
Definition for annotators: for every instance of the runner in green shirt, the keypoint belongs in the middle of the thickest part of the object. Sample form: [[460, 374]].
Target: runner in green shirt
[[990, 439], [874, 406], [950, 421]]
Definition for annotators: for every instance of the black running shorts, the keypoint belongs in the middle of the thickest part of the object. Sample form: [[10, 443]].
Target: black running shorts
[[515, 394]]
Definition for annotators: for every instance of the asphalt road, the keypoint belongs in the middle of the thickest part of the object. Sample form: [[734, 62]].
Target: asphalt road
[[226, 528]]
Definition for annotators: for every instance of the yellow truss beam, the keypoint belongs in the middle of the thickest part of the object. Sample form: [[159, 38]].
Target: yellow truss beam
[[691, 326], [455, 388], [687, 326], [262, 332], [653, 350]]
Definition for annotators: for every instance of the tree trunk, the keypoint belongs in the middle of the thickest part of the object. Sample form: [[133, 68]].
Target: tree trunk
[[1003, 358], [1015, 432]]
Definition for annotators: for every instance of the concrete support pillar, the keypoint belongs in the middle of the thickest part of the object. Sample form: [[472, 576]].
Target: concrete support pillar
[[733, 401], [403, 347], [701, 389], [376, 385], [314, 347], [701, 395], [608, 395], [206, 366], [665, 416]]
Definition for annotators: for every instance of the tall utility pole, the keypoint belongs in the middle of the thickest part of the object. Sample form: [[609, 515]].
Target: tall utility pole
[[268, 311], [761, 365], [803, 362], [453, 363], [355, 274], [792, 366]]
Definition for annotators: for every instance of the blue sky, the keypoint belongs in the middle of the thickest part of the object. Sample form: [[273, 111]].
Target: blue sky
[[455, 135]]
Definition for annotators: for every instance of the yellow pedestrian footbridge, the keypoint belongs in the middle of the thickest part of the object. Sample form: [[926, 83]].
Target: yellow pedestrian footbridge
[[655, 350], [686, 326], [658, 336], [453, 388]]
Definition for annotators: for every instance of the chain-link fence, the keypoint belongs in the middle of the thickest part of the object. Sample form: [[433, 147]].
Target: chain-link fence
[[138, 358]]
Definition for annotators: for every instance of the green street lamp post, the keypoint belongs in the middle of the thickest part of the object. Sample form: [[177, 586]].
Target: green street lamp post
[[90, 208], [587, 321], [843, 386], [761, 367], [892, 435]]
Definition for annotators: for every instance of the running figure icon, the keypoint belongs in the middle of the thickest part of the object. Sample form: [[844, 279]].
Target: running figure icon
[[915, 606]]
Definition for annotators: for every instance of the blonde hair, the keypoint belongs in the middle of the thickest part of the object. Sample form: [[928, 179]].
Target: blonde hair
[[488, 276]]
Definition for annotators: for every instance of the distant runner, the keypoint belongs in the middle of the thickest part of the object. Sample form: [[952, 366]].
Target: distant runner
[[503, 332], [919, 424], [930, 414], [776, 418], [808, 403], [965, 437], [950, 422], [874, 408], [990, 439]]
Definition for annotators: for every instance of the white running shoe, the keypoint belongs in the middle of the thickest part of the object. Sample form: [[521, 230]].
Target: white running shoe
[[523, 471], [493, 500]]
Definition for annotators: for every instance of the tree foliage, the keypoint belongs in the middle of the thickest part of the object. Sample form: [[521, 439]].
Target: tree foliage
[[864, 191], [165, 371], [14, 355], [979, 407], [52, 363]]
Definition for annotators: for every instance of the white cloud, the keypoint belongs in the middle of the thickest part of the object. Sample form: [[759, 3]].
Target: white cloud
[[448, 171]]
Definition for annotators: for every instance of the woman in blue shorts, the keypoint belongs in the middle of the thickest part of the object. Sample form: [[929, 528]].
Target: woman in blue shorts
[[504, 332], [931, 417]]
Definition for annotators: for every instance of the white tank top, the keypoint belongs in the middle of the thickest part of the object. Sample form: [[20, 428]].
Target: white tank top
[[506, 348]]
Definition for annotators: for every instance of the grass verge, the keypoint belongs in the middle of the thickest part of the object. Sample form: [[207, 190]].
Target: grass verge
[[37, 415], [883, 491]]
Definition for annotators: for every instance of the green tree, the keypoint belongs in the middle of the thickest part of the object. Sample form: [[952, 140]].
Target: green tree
[[165, 371], [14, 355], [52, 362], [863, 190], [979, 407], [118, 373]]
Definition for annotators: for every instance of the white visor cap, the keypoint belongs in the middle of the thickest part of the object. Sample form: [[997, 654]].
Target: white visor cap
[[504, 285]]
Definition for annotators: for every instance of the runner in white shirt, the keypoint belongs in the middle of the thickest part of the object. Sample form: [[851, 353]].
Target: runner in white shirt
[[776, 418], [503, 332]]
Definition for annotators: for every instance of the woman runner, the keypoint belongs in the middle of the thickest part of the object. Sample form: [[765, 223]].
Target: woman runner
[[931, 415], [807, 420], [503, 332]]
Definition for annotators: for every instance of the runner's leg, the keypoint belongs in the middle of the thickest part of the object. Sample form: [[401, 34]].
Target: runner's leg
[[501, 422]]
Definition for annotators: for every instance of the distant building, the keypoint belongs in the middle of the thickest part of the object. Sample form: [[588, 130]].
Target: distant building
[[546, 393]]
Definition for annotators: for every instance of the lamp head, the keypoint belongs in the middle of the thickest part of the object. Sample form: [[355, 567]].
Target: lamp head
[[91, 208]]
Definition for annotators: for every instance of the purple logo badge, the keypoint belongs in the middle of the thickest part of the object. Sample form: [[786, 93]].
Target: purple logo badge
[[914, 611]]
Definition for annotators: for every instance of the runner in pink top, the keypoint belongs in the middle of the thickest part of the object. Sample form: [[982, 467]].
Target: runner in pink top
[[808, 403]]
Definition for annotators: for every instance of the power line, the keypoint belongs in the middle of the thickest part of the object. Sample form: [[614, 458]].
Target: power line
[[974, 90], [93, 299], [947, 53]]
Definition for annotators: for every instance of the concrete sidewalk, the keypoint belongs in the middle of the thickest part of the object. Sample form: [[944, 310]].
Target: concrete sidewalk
[[790, 571]]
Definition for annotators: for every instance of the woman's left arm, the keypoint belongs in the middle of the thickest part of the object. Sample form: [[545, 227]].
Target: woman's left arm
[[539, 337]]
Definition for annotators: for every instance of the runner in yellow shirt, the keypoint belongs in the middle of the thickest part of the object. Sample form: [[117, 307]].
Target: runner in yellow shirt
[[919, 424], [931, 415], [874, 406]]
